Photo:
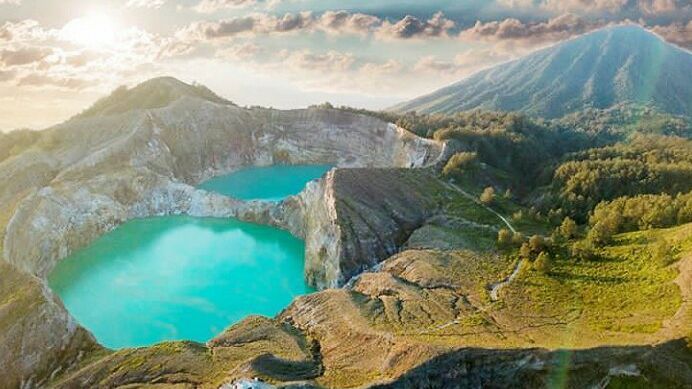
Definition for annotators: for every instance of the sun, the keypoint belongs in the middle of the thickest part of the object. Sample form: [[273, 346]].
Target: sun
[[93, 31]]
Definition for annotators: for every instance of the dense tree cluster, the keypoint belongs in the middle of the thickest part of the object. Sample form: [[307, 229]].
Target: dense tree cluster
[[527, 148], [460, 163], [638, 213], [645, 165], [625, 119], [594, 162], [420, 124], [511, 142]]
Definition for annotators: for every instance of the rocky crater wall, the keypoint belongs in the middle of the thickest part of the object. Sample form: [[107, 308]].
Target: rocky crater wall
[[144, 163], [87, 176]]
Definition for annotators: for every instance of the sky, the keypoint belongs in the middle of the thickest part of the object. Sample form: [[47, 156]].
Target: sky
[[58, 57]]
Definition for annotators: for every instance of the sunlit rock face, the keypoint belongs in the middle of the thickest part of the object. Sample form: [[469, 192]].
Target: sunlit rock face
[[101, 171], [84, 177], [353, 219]]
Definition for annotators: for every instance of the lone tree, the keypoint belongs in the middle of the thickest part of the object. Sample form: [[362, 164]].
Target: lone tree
[[488, 195], [459, 164], [600, 234], [662, 252], [583, 250], [504, 238], [568, 228], [517, 238], [525, 251], [536, 243], [543, 263]]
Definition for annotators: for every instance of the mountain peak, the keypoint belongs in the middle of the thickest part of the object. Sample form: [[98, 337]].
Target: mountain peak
[[154, 93], [606, 67]]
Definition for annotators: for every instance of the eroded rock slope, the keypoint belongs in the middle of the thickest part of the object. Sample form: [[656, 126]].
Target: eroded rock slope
[[78, 180]]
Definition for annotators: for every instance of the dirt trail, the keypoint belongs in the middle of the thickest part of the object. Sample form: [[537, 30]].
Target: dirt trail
[[475, 200], [497, 286], [679, 324]]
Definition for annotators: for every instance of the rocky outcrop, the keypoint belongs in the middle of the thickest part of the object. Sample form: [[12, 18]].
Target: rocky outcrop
[[93, 173], [356, 218], [78, 180], [665, 365], [38, 338], [423, 319]]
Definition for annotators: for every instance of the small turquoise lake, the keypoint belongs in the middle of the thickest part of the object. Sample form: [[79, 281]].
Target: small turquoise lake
[[272, 183], [186, 278]]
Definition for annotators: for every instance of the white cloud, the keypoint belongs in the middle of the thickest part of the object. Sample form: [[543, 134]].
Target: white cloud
[[155, 4], [532, 33], [412, 27], [331, 61], [211, 6], [331, 22], [677, 33], [613, 7], [241, 52], [35, 56]]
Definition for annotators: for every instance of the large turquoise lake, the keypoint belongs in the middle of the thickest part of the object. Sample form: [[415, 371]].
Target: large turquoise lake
[[179, 277]]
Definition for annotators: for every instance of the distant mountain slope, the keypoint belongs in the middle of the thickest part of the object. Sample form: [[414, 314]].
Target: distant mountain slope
[[596, 70], [155, 93]]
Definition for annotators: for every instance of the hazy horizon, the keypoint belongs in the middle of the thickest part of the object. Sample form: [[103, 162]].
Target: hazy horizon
[[57, 59]]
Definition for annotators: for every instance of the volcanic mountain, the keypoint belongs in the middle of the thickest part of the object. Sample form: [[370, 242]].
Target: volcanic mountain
[[623, 64]]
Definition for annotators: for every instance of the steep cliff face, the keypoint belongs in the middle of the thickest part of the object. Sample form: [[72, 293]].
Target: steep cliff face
[[352, 219], [371, 213], [91, 174], [312, 215], [83, 178], [38, 338]]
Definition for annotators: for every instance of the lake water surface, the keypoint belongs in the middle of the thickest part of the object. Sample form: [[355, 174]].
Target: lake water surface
[[179, 277], [272, 183]]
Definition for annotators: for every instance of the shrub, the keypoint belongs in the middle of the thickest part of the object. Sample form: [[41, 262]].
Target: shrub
[[281, 156], [583, 250], [517, 238], [504, 238], [568, 229], [536, 244], [601, 233], [525, 251], [543, 263], [662, 252], [488, 196], [459, 164]]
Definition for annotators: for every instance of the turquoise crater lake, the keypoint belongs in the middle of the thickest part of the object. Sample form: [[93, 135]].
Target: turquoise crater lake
[[272, 183], [179, 277]]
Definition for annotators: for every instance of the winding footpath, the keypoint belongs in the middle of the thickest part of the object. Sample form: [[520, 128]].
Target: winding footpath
[[497, 286], [475, 200]]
